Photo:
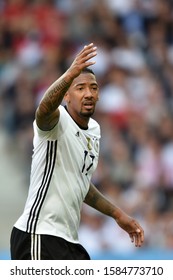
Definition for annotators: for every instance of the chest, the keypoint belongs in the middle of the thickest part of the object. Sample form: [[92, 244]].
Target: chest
[[82, 148]]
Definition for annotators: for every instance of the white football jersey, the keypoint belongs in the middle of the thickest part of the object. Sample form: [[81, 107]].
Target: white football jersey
[[63, 162]]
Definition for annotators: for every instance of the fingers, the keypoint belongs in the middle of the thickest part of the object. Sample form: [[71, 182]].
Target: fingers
[[88, 48], [87, 53], [137, 237], [83, 59]]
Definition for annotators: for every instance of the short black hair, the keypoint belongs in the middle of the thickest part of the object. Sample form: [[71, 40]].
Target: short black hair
[[87, 70]]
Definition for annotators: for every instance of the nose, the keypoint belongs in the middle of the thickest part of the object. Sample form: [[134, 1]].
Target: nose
[[88, 92]]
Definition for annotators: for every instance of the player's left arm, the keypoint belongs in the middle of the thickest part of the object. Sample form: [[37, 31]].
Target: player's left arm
[[97, 200]]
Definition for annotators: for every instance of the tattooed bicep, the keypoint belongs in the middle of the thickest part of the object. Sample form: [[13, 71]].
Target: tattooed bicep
[[47, 122]]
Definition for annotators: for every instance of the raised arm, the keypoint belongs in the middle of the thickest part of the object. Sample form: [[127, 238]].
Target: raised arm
[[98, 201], [47, 113]]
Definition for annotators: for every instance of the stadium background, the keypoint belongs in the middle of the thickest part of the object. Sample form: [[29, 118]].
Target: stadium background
[[134, 68]]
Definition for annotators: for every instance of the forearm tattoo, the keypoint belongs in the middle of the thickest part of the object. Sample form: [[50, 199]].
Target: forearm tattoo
[[92, 197], [95, 199], [54, 96]]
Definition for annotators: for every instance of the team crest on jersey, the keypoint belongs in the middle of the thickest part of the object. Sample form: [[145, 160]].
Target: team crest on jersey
[[89, 143], [92, 143]]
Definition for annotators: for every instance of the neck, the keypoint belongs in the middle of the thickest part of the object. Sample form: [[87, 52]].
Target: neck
[[82, 122]]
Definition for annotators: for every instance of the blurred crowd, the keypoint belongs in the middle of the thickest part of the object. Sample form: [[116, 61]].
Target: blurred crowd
[[134, 69]]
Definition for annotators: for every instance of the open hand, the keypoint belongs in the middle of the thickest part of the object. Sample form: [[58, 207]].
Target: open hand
[[82, 60]]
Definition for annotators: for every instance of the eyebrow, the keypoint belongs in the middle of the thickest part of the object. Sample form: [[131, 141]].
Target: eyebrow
[[82, 84]]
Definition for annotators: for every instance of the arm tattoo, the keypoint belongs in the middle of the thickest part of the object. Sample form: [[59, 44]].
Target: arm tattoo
[[53, 97], [92, 197], [96, 200]]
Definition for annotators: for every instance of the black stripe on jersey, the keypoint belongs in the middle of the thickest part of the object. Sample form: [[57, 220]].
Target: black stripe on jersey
[[42, 191]]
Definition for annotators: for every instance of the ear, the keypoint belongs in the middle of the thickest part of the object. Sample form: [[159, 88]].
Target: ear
[[67, 97]]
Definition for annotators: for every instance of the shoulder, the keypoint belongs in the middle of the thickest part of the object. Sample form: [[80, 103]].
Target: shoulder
[[94, 127], [93, 123]]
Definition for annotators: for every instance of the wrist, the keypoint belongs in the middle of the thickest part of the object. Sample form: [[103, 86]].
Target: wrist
[[68, 76], [117, 213]]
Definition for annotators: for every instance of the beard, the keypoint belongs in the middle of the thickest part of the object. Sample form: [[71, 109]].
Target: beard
[[87, 113]]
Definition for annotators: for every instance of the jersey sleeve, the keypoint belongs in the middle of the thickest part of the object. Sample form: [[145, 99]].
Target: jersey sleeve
[[56, 131]]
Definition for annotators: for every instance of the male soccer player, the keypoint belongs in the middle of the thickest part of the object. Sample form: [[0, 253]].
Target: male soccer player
[[65, 155]]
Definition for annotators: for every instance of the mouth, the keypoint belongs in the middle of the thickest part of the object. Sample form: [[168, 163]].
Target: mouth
[[88, 105]]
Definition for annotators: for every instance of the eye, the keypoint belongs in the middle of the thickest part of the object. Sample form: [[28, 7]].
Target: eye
[[80, 88], [95, 88]]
